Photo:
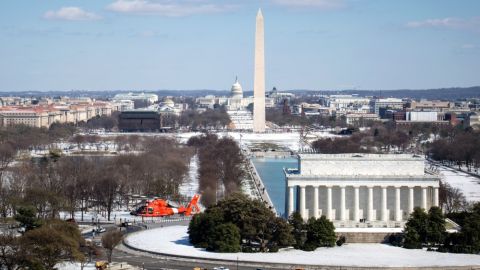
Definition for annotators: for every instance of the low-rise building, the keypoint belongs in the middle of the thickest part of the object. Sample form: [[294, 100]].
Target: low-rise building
[[140, 100], [387, 103], [431, 105], [360, 118], [421, 116], [473, 121], [46, 115], [139, 120]]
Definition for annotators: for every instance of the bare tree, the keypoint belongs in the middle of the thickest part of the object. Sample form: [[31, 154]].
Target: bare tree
[[10, 254], [106, 187], [451, 199], [109, 240]]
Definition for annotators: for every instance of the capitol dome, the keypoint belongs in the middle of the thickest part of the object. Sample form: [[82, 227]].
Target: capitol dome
[[168, 102], [236, 91]]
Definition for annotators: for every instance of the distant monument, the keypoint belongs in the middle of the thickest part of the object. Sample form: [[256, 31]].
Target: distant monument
[[259, 77]]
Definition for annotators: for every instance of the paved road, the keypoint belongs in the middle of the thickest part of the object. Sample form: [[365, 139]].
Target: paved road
[[154, 262]]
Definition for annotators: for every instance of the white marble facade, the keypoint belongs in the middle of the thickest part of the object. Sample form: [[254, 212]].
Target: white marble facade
[[348, 188]]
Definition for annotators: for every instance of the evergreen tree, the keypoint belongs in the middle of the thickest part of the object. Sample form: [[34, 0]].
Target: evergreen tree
[[299, 230], [411, 238], [416, 229], [27, 216], [202, 225], [320, 233], [257, 225], [435, 231], [282, 234], [418, 221], [224, 238], [470, 234], [315, 233]]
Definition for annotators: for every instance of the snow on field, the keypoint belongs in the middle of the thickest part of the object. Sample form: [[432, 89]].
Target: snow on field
[[174, 240], [74, 266], [469, 185], [289, 140], [93, 215], [91, 266]]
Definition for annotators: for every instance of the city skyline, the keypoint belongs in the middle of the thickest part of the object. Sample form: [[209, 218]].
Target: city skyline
[[310, 44]]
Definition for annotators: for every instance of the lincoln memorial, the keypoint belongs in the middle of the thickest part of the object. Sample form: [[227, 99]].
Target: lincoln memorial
[[350, 189]]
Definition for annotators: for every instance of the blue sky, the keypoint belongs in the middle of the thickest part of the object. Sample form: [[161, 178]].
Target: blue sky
[[204, 44]]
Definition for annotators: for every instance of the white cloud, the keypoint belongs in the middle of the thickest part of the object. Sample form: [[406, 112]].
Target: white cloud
[[447, 23], [319, 4], [71, 14], [167, 8]]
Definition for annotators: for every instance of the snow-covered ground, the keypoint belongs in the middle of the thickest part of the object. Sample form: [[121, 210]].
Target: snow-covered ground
[[121, 216], [75, 266], [91, 266], [174, 240], [289, 140], [190, 186], [469, 185]]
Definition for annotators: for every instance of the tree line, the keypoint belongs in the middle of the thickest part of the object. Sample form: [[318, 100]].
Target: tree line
[[216, 119], [221, 166], [415, 138], [57, 183], [46, 242], [281, 118], [378, 139], [459, 147], [429, 230]]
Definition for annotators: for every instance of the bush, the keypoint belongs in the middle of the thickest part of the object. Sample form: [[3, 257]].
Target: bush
[[395, 240], [341, 240]]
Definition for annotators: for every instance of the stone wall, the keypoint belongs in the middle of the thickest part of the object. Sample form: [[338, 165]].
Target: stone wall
[[365, 237]]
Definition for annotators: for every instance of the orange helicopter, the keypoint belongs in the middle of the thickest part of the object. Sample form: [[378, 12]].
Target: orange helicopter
[[162, 208]]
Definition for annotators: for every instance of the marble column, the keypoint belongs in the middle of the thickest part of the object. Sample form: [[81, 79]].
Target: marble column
[[435, 196], [384, 204], [342, 203], [370, 204], [302, 202], [410, 200], [290, 200], [424, 198], [398, 211], [356, 205], [329, 203], [315, 202]]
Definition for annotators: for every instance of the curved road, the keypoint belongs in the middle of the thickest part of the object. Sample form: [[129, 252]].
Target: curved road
[[150, 261]]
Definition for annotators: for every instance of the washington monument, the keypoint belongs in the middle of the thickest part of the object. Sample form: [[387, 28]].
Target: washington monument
[[259, 77]]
